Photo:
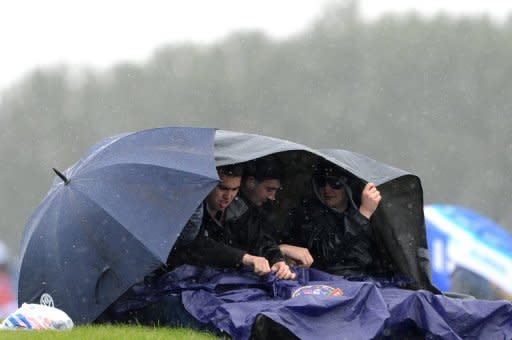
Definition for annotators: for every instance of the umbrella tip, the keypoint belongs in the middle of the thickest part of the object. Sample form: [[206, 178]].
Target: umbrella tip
[[61, 175]]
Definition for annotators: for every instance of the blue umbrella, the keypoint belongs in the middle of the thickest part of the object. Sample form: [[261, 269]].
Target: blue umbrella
[[113, 218]]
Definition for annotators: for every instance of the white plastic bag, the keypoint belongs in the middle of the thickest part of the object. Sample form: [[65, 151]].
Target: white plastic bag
[[38, 317]]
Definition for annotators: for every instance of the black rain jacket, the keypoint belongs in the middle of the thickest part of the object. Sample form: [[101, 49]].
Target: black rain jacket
[[223, 244], [340, 243]]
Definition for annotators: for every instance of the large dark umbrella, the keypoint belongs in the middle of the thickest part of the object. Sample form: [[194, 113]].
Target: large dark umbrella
[[113, 217]]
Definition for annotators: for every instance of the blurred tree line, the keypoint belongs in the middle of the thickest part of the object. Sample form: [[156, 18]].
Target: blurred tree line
[[431, 96]]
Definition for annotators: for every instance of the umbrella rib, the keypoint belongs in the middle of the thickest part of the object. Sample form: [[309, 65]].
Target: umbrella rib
[[99, 151], [205, 176]]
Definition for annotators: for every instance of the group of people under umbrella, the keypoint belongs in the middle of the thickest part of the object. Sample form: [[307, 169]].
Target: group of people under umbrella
[[235, 227], [178, 227]]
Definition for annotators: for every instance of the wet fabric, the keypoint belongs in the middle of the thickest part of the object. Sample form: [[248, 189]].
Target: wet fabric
[[340, 243], [247, 230], [223, 244], [208, 248], [230, 301]]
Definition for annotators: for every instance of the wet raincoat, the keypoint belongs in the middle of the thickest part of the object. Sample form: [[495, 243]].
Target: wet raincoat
[[341, 243], [222, 244]]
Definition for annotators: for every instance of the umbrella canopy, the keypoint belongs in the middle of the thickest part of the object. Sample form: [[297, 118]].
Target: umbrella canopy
[[113, 217], [399, 218]]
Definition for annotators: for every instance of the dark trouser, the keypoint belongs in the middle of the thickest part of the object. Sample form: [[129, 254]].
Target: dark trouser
[[265, 328], [168, 311]]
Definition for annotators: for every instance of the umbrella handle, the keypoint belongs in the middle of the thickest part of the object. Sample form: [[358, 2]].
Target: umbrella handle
[[100, 279]]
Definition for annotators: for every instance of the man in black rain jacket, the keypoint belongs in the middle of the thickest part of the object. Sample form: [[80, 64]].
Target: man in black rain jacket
[[338, 234], [231, 233]]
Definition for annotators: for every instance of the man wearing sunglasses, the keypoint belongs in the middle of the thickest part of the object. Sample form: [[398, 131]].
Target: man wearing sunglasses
[[336, 231]]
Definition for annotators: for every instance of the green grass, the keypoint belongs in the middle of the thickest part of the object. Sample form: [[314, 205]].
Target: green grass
[[111, 332]]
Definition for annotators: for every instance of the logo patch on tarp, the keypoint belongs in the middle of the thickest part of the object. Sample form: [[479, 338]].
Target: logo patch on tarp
[[317, 290]]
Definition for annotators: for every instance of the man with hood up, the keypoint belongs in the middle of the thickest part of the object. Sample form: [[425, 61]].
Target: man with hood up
[[337, 232]]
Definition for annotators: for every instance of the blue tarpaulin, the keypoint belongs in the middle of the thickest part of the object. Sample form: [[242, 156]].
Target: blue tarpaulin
[[320, 305]]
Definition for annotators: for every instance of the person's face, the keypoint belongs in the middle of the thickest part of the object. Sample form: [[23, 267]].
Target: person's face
[[224, 193], [334, 197], [264, 191]]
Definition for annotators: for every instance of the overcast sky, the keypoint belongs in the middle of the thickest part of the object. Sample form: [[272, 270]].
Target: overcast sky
[[99, 33]]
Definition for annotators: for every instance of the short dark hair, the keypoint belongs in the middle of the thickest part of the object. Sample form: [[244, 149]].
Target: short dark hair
[[265, 168], [231, 170]]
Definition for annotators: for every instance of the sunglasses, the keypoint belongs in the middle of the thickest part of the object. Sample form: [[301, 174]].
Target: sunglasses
[[334, 182]]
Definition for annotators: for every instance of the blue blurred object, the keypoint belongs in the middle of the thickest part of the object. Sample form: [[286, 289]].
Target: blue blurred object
[[113, 217], [468, 250]]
